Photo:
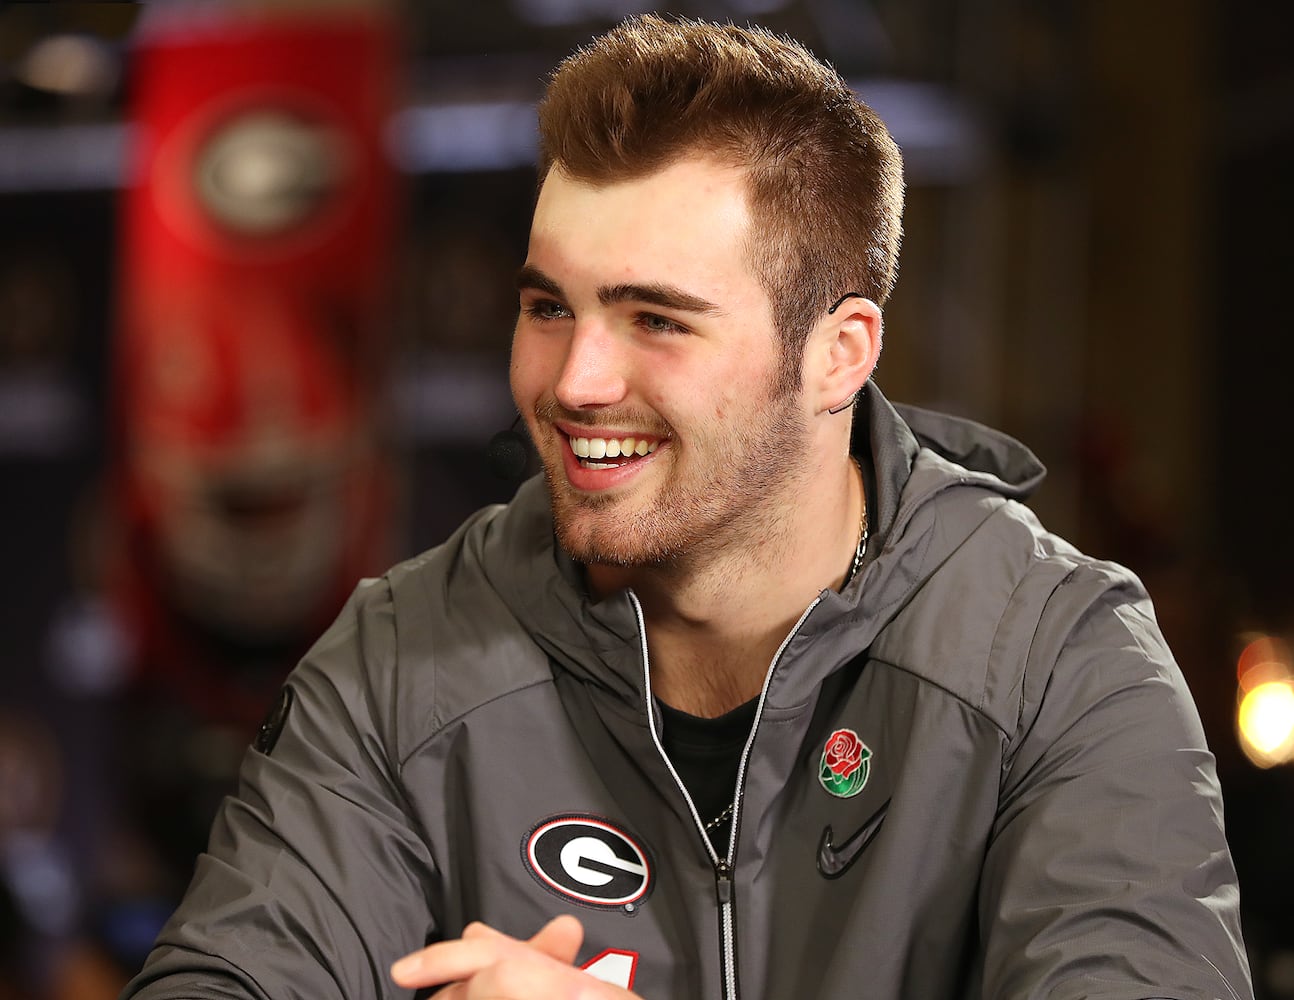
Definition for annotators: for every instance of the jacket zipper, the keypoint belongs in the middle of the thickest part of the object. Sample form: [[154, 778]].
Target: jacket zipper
[[723, 867]]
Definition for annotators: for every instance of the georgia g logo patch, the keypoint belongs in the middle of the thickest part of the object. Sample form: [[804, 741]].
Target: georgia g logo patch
[[590, 860]]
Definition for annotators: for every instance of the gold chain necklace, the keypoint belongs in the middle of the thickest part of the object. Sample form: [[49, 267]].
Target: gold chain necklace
[[861, 548]]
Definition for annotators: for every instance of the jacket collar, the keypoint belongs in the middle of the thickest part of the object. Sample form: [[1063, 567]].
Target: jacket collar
[[913, 455]]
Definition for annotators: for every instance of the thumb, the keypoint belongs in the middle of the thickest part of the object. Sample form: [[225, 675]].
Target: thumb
[[560, 938]]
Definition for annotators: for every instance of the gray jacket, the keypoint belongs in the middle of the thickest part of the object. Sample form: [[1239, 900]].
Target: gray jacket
[[474, 739]]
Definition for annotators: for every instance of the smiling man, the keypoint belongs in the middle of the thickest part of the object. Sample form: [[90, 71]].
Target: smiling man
[[643, 324], [766, 688]]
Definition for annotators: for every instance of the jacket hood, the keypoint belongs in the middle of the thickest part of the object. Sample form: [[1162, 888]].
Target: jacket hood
[[996, 459], [914, 457], [891, 437]]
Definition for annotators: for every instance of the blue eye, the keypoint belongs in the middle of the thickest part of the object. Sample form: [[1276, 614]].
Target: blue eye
[[654, 323]]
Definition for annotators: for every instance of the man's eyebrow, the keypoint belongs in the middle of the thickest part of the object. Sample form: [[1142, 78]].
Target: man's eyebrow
[[531, 278], [657, 294], [654, 293]]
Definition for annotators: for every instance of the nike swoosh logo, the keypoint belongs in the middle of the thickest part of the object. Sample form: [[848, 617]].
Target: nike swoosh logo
[[833, 860]]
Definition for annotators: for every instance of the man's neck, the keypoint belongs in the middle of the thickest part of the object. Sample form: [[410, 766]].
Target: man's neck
[[713, 627]]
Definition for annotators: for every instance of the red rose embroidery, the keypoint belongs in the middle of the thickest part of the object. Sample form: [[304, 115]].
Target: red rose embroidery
[[844, 754]]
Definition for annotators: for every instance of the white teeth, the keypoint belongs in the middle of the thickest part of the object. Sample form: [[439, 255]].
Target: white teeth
[[595, 448]]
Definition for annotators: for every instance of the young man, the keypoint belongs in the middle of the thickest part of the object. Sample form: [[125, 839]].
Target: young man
[[766, 689]]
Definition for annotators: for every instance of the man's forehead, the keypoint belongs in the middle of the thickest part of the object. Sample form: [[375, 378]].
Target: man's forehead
[[677, 237], [699, 183], [691, 210]]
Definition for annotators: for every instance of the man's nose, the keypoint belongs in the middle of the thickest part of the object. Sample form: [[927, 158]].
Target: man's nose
[[593, 373]]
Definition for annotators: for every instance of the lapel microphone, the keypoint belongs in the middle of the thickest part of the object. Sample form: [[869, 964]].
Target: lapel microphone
[[508, 454]]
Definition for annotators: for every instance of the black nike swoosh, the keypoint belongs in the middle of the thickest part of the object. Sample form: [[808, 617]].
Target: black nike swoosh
[[834, 861]]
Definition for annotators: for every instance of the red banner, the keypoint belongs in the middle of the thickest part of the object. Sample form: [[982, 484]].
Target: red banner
[[256, 257]]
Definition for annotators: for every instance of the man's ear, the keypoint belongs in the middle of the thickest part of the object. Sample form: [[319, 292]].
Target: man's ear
[[842, 352]]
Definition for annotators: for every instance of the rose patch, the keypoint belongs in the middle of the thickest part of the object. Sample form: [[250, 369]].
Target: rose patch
[[845, 764]]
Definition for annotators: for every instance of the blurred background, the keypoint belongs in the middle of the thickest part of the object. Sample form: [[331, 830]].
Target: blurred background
[[255, 301]]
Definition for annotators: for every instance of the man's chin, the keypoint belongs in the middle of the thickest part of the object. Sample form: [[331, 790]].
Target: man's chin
[[605, 530], [603, 545], [591, 550]]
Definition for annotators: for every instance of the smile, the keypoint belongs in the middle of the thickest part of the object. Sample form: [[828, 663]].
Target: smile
[[593, 452]]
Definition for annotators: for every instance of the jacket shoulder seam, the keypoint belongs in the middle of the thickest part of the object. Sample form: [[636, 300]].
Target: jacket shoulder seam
[[1017, 605], [441, 725], [926, 679]]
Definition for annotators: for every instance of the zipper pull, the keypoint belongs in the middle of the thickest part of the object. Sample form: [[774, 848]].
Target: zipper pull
[[723, 882]]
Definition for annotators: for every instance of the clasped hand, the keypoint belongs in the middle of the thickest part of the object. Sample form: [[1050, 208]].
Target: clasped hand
[[485, 964]]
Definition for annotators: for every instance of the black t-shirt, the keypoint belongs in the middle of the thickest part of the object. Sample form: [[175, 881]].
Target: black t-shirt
[[706, 753]]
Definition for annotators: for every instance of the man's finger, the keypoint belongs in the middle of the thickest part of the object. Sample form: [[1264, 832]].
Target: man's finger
[[560, 938], [444, 962], [479, 931], [480, 947]]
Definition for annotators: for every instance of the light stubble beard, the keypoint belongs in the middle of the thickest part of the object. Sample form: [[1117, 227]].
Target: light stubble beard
[[729, 502]]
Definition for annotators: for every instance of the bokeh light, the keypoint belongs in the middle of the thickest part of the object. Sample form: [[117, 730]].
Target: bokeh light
[[1265, 700], [1266, 722]]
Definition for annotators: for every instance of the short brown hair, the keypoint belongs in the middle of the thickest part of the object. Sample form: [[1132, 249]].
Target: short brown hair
[[825, 177]]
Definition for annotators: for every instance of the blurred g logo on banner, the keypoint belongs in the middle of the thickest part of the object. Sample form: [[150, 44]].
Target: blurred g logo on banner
[[256, 259], [267, 172]]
